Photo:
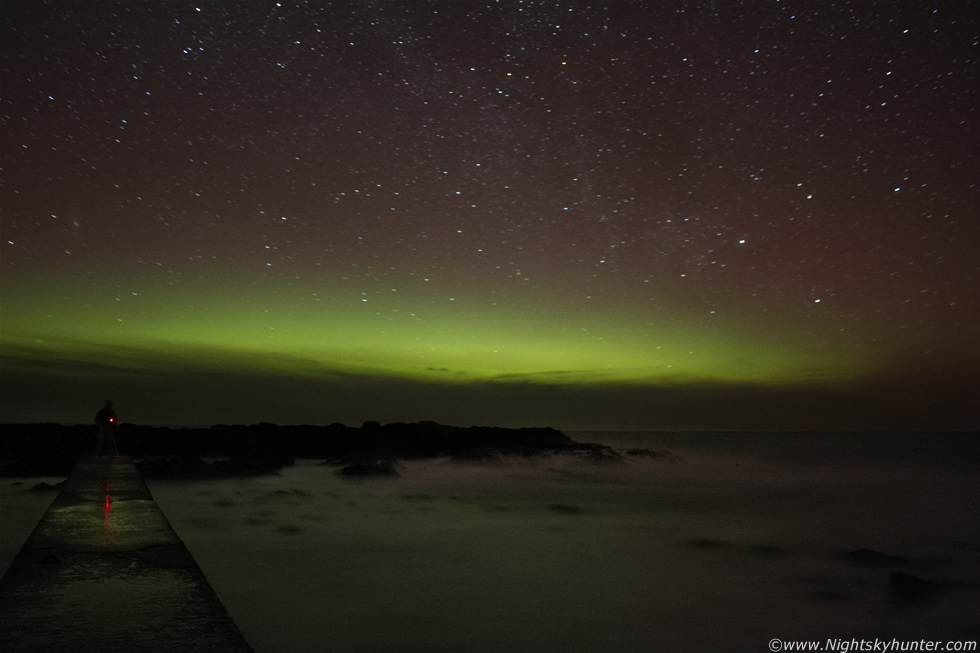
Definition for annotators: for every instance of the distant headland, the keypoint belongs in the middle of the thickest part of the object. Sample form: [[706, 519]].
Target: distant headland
[[53, 449]]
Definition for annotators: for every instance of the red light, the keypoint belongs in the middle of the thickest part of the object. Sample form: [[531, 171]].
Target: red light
[[112, 419]]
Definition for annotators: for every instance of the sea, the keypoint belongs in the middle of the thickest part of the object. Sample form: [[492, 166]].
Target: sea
[[700, 542]]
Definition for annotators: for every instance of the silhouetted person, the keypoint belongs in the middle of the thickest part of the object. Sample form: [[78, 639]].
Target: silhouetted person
[[106, 420]]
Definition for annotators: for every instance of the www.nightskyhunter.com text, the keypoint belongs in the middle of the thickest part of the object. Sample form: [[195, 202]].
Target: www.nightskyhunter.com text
[[851, 645]]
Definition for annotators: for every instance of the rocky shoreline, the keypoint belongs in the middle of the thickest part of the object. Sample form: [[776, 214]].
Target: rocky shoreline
[[368, 450]]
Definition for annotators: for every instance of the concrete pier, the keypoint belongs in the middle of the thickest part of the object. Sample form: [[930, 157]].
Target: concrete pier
[[104, 571]]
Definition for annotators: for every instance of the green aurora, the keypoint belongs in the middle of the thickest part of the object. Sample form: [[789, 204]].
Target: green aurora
[[426, 336], [411, 355]]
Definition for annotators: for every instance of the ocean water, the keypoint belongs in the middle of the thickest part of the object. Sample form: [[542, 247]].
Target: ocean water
[[20, 511], [723, 543]]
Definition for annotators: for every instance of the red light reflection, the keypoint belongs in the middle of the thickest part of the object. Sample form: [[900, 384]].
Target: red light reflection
[[107, 511]]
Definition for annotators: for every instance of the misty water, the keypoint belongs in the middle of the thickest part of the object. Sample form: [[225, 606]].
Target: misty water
[[726, 543]]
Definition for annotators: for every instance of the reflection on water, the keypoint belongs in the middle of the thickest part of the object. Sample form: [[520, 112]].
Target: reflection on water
[[705, 550], [107, 513]]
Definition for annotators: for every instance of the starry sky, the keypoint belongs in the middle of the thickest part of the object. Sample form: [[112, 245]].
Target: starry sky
[[681, 214]]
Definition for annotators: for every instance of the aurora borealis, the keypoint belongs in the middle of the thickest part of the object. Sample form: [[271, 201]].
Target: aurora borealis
[[591, 215]]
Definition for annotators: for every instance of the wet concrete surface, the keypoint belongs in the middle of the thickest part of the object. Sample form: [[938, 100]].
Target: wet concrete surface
[[104, 571]]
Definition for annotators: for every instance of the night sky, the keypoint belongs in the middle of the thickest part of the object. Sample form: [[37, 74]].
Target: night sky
[[728, 214]]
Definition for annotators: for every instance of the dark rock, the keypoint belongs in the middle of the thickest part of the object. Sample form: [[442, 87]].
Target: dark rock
[[767, 551], [39, 465], [475, 454], [53, 449], [909, 587], [250, 466], [182, 467], [875, 559], [647, 453], [707, 543], [382, 468], [192, 467], [828, 595], [566, 509], [602, 454], [46, 487]]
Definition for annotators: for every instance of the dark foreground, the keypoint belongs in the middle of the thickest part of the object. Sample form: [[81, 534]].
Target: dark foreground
[[53, 449], [104, 571], [732, 541]]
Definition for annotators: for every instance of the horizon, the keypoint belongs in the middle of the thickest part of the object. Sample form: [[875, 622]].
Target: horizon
[[175, 426]]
